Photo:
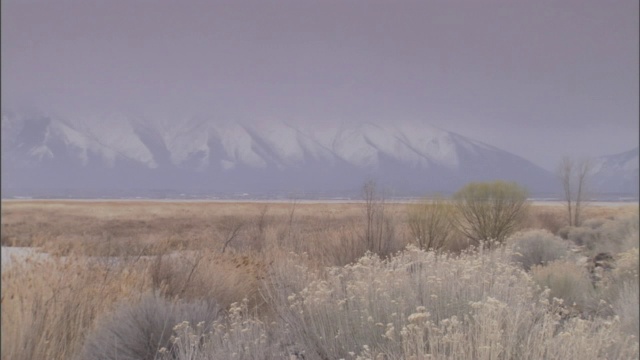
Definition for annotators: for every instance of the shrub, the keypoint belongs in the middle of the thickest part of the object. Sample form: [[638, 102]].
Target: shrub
[[584, 236], [370, 302], [620, 289], [379, 229], [430, 223], [619, 235], [537, 247], [490, 211], [421, 305], [138, 331], [605, 236], [626, 306], [569, 282]]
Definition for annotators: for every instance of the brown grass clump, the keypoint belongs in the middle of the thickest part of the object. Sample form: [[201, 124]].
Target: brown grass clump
[[208, 276], [49, 305]]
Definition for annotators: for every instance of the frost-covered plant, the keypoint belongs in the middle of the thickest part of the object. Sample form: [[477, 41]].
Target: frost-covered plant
[[605, 235], [369, 302], [239, 334], [569, 282], [620, 234], [537, 247]]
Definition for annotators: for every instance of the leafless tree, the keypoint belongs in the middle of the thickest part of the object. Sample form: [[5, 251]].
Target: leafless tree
[[574, 177]]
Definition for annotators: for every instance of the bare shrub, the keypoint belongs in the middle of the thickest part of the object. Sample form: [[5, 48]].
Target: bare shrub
[[138, 331], [430, 222], [490, 211], [379, 228], [537, 247]]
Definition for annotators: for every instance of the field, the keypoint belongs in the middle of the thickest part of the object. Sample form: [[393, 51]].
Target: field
[[216, 280]]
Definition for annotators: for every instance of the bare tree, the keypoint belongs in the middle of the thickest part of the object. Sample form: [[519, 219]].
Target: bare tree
[[574, 177], [430, 222], [490, 211]]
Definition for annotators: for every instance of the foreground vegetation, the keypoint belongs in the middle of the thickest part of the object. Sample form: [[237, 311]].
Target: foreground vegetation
[[163, 280]]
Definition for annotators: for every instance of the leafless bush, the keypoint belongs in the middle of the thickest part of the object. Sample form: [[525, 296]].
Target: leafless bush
[[137, 332], [537, 247], [430, 222], [379, 228], [490, 212]]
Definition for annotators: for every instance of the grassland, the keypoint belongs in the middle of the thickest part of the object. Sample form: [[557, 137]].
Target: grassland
[[118, 280]]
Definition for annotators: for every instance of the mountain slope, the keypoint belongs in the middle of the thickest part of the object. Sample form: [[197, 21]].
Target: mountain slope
[[275, 157], [617, 173]]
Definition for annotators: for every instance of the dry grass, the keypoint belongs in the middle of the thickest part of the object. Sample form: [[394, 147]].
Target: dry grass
[[49, 305], [249, 258]]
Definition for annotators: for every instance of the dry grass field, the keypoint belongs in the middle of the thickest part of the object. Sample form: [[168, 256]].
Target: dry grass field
[[216, 280]]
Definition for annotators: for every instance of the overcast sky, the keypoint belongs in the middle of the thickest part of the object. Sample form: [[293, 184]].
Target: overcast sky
[[541, 79]]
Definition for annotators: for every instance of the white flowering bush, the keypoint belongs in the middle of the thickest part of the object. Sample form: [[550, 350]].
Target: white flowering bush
[[238, 335], [417, 305]]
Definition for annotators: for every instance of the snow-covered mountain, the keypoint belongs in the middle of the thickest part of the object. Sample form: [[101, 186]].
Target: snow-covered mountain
[[617, 173], [268, 157]]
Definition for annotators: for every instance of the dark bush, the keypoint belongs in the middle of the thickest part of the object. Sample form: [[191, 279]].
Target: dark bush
[[139, 331]]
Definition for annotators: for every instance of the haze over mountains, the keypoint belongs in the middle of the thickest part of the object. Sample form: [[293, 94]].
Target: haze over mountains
[[121, 155]]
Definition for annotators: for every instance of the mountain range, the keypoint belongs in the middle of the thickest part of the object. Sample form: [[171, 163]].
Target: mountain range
[[617, 173], [118, 154]]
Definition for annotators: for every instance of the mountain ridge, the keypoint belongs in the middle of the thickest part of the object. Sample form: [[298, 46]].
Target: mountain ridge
[[119, 152]]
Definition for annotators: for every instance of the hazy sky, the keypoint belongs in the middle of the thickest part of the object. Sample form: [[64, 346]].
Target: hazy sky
[[538, 78]]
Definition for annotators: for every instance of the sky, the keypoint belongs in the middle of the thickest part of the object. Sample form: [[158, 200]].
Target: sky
[[542, 79]]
